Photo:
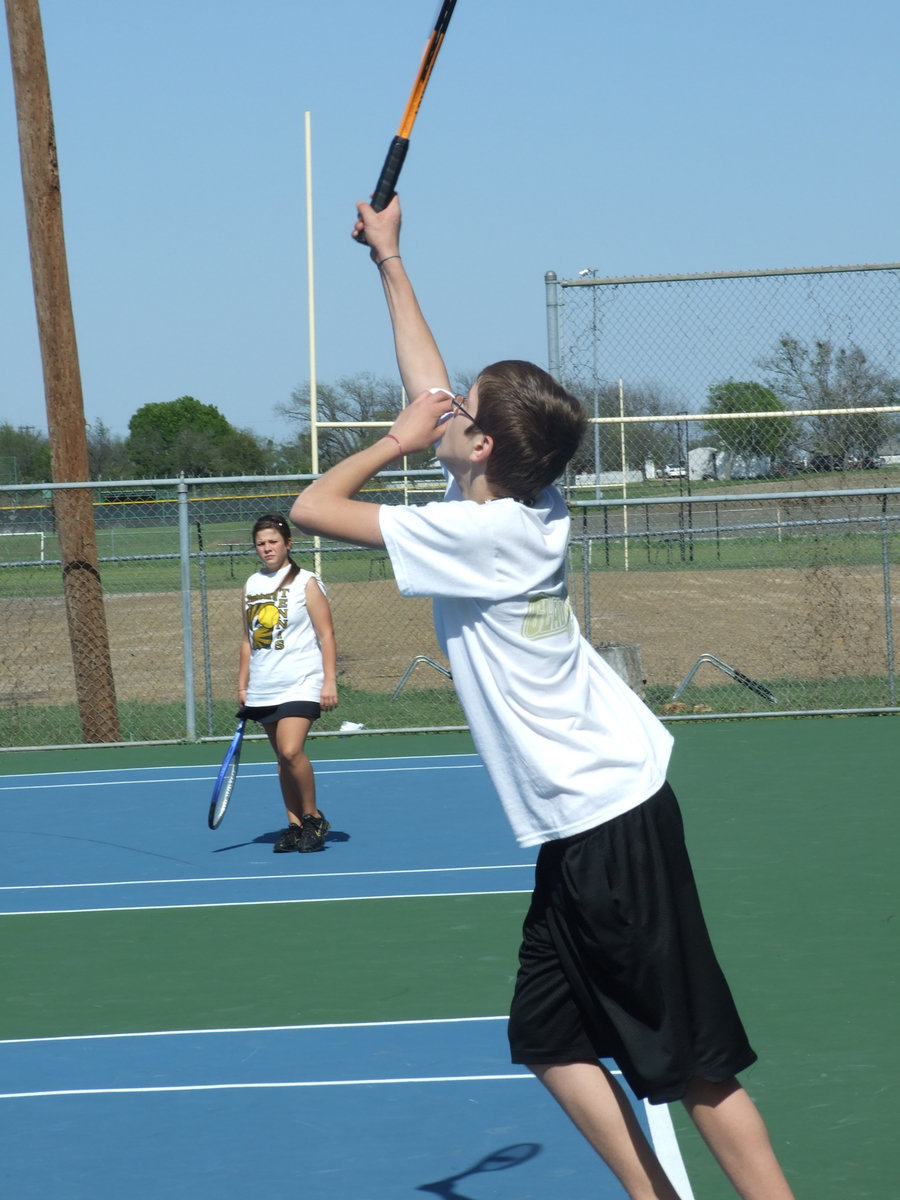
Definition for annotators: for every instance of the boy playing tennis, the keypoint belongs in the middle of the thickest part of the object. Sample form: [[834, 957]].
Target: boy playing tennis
[[615, 959]]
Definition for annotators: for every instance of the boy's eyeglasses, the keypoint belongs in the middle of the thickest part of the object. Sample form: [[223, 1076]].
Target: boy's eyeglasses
[[458, 406]]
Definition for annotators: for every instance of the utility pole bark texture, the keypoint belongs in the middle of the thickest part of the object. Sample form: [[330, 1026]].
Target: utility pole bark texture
[[73, 509]]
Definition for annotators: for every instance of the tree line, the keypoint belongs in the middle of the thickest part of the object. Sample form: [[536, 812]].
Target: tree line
[[168, 438], [797, 377]]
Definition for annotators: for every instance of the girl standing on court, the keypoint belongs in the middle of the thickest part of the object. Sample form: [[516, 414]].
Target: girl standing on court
[[288, 672]]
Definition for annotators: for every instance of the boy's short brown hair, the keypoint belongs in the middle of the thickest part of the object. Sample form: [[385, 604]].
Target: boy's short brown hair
[[535, 424]]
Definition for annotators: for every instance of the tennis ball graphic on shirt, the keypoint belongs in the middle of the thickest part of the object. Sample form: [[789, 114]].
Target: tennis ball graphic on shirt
[[268, 616]]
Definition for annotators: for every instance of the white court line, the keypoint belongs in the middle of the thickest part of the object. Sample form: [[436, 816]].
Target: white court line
[[319, 762], [42, 887], [240, 1087], [228, 1030], [268, 770], [662, 1131], [323, 767], [62, 912], [665, 1144]]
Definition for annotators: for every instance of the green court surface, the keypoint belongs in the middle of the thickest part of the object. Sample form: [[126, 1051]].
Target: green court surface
[[402, 958], [793, 828]]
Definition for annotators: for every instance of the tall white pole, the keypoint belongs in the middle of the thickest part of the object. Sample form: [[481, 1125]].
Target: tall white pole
[[311, 305], [311, 302]]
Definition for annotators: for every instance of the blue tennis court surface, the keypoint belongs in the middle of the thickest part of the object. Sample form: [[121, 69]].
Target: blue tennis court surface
[[111, 839], [326, 1111]]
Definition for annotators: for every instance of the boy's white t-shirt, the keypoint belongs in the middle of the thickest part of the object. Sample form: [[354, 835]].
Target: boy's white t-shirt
[[567, 744], [285, 657]]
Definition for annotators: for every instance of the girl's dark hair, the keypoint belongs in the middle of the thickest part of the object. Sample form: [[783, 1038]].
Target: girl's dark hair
[[279, 523], [536, 426]]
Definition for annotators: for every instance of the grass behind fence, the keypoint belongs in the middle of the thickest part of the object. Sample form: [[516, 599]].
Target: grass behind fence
[[31, 725], [42, 725], [689, 550]]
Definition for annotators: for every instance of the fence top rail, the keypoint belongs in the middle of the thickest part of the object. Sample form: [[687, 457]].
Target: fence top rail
[[108, 484], [588, 282], [698, 498], [754, 414]]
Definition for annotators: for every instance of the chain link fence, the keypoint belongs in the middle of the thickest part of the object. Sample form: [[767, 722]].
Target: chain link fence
[[737, 486], [783, 375], [743, 602], [757, 602], [734, 541], [173, 557]]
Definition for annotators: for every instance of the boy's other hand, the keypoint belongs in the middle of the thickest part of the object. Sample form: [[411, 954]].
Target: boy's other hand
[[419, 425]]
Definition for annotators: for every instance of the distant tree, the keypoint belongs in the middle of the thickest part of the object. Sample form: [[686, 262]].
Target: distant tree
[[24, 454], [751, 437], [644, 441], [167, 438], [353, 399], [107, 456], [822, 376], [242, 453]]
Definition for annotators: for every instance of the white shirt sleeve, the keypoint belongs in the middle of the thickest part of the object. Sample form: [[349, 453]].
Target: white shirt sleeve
[[458, 548]]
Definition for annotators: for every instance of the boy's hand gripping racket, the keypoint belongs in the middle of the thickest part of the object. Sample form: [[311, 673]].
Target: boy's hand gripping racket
[[224, 785], [390, 172]]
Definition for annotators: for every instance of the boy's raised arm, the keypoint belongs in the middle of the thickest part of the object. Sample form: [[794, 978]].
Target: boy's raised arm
[[328, 506], [420, 362]]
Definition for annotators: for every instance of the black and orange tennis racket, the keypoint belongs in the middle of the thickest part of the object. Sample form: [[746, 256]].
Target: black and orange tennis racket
[[393, 163]]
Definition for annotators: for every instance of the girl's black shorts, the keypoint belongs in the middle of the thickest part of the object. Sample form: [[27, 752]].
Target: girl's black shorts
[[268, 714], [616, 961]]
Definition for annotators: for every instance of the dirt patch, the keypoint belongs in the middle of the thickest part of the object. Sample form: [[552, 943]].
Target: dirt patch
[[811, 624], [820, 623]]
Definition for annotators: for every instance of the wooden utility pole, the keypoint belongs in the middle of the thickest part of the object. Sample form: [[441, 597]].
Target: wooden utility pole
[[73, 508]]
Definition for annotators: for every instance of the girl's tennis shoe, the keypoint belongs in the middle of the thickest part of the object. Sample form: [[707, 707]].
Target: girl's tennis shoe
[[312, 833]]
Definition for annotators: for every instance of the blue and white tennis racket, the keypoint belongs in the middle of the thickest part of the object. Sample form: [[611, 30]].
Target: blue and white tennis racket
[[224, 785]]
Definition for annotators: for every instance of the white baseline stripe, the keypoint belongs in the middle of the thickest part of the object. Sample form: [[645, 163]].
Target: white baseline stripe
[[320, 764], [43, 887], [266, 770], [61, 912], [241, 1029], [238, 1087]]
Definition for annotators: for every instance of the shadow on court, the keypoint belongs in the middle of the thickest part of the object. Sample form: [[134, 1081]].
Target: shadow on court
[[333, 837], [500, 1160]]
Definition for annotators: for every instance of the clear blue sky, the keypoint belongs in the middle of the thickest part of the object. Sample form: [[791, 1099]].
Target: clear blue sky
[[635, 139]]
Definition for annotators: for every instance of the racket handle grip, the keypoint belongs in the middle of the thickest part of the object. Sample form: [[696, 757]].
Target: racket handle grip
[[387, 180], [390, 173]]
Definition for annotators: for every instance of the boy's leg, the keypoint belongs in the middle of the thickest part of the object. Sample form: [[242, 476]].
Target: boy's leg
[[731, 1126], [596, 1104]]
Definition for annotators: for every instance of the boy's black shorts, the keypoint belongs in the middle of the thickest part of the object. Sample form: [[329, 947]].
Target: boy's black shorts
[[616, 961]]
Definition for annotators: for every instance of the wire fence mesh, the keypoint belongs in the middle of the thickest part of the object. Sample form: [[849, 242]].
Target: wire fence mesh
[[740, 601], [747, 375], [734, 542]]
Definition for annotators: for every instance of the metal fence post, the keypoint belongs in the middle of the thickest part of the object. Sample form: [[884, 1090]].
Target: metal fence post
[[187, 630], [552, 293], [888, 618]]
